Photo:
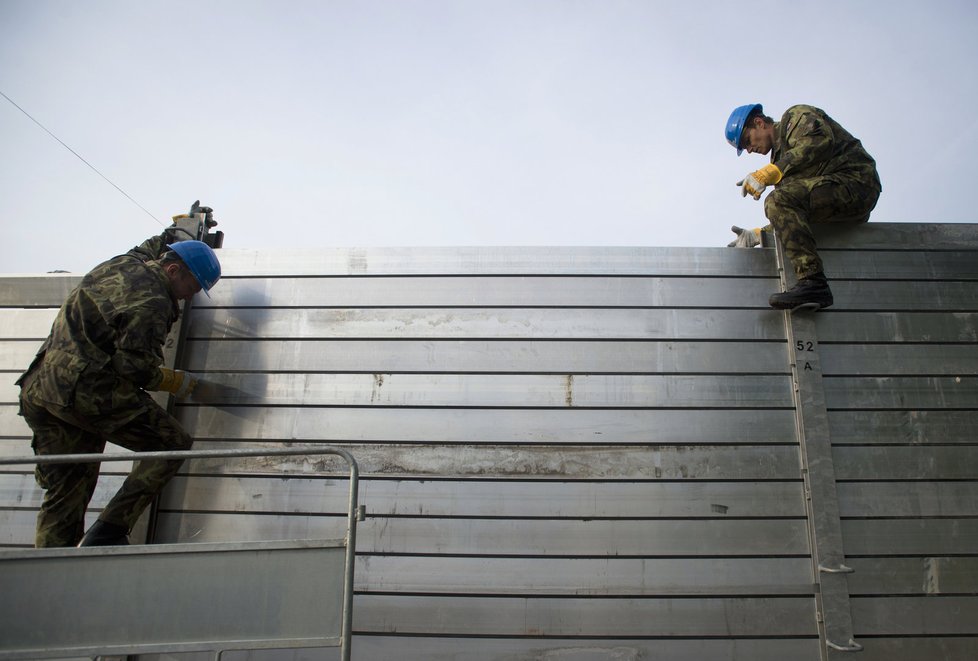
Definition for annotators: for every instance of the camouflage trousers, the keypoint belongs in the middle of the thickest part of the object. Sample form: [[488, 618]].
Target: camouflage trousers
[[69, 487], [796, 204]]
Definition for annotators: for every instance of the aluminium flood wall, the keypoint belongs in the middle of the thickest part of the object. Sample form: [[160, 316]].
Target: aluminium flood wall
[[587, 453]]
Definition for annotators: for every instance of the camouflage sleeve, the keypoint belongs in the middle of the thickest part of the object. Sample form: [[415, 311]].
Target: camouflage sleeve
[[140, 319], [139, 349], [152, 248], [809, 139]]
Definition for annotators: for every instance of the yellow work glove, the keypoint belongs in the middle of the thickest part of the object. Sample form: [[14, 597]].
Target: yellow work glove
[[179, 382], [755, 183]]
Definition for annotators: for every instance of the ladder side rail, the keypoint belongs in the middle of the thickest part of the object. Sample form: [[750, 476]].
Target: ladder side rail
[[834, 611]]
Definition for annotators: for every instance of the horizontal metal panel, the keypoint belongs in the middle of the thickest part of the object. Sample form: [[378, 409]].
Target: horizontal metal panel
[[498, 323], [16, 355], [910, 427], [510, 260], [15, 447], [906, 463], [733, 538], [601, 577], [16, 324], [9, 393], [907, 498], [905, 295], [541, 461], [17, 528], [919, 649], [900, 264], [49, 289], [906, 392], [897, 236], [931, 615], [517, 537], [700, 427], [669, 462], [882, 537], [491, 291], [515, 323], [491, 498], [735, 616], [413, 648], [926, 575], [517, 356], [22, 491], [497, 390], [420, 648], [897, 359], [936, 327]]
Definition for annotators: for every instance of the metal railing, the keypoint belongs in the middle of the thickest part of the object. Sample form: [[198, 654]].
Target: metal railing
[[353, 514]]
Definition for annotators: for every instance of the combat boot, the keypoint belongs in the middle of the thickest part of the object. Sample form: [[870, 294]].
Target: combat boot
[[105, 534], [813, 290]]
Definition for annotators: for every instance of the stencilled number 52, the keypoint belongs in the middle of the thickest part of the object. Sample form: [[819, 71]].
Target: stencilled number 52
[[802, 345]]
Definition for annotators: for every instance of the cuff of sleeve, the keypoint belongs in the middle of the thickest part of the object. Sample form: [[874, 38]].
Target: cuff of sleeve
[[771, 173], [155, 381]]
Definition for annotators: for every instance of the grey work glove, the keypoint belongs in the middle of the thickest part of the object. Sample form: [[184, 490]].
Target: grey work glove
[[209, 221], [745, 238], [186, 226]]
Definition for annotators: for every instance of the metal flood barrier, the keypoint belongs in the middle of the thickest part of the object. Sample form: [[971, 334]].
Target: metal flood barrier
[[186, 597], [585, 453]]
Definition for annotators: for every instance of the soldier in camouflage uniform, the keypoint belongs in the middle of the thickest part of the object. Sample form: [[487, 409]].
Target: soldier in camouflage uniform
[[87, 385], [820, 174]]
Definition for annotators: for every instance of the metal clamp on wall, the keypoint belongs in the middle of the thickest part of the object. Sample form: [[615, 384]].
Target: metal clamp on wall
[[853, 646]]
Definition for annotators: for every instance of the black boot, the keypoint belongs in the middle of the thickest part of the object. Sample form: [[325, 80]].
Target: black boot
[[105, 534], [811, 290]]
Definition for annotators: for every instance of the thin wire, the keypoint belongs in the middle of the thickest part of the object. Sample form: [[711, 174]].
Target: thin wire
[[80, 158]]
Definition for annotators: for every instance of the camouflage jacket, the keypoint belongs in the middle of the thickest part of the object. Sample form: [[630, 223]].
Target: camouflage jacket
[[808, 143], [106, 342]]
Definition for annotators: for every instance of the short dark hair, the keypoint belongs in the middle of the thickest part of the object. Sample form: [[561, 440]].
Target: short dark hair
[[171, 257], [756, 112]]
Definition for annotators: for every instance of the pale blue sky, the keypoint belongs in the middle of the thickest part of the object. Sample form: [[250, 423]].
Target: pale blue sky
[[423, 123]]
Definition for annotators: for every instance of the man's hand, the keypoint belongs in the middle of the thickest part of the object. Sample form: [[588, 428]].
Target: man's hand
[[755, 183], [187, 227], [745, 238], [178, 382]]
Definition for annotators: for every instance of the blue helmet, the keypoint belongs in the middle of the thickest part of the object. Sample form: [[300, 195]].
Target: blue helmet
[[735, 125], [201, 261]]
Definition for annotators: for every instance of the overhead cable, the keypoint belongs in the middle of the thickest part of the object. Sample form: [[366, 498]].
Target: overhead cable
[[94, 169]]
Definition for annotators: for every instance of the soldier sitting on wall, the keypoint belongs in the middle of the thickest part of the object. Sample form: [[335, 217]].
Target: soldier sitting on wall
[[87, 384], [820, 174]]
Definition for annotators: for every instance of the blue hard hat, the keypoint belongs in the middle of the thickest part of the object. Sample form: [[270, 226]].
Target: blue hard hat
[[201, 260], [735, 125]]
